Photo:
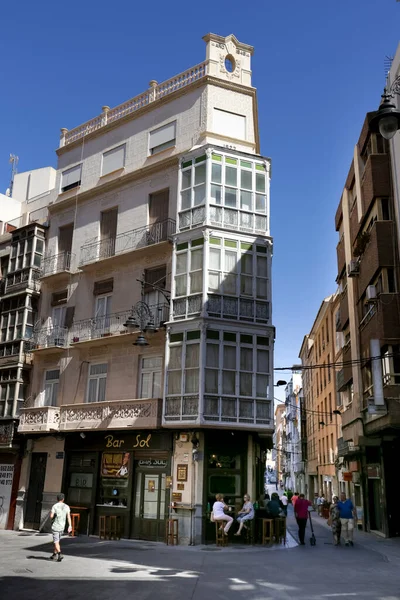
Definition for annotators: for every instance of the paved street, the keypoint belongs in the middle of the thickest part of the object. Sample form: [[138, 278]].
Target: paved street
[[105, 570]]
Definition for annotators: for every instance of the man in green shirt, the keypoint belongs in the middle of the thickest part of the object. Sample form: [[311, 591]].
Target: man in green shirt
[[59, 514]]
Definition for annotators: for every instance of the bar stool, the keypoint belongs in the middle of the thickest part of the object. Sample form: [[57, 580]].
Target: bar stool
[[280, 530], [102, 527], [75, 520], [249, 532], [220, 538], [115, 527], [171, 532], [267, 530]]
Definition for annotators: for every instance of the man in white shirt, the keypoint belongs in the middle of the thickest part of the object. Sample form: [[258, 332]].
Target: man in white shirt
[[59, 514], [284, 501]]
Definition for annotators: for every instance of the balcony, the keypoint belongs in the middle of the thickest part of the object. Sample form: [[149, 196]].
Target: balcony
[[379, 252], [382, 320], [341, 258], [50, 339], [57, 264], [344, 310], [113, 324], [39, 419], [127, 242], [113, 414], [346, 448], [22, 280], [376, 179]]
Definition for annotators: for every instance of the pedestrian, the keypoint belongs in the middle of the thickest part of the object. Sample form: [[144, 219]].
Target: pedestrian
[[301, 514], [334, 520], [294, 498], [284, 501], [347, 513], [274, 506], [321, 501], [219, 508], [246, 514], [59, 515]]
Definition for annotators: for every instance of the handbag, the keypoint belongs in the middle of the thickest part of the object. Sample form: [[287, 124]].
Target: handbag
[[212, 516]]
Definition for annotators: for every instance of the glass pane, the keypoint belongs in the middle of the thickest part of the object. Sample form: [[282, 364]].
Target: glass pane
[[228, 382], [157, 385], [145, 391], [186, 199], [262, 386], [246, 359], [246, 180], [192, 355], [186, 179], [246, 285], [180, 285], [229, 284], [260, 183], [230, 197], [245, 200], [229, 357], [212, 355], [137, 493], [174, 382], [262, 361], [47, 394], [246, 263], [39, 246], [181, 260], [200, 174], [261, 203], [216, 194], [231, 176], [150, 496], [230, 261], [162, 497], [262, 288], [196, 259], [152, 362], [102, 389], [92, 390], [54, 394], [262, 266], [211, 381], [175, 357], [196, 282], [245, 384], [192, 381], [214, 281], [216, 173], [215, 259], [199, 195]]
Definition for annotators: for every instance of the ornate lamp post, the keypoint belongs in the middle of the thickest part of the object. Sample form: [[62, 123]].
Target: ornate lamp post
[[387, 119], [141, 318]]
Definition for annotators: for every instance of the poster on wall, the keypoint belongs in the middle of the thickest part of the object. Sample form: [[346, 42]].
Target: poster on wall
[[6, 479], [115, 464]]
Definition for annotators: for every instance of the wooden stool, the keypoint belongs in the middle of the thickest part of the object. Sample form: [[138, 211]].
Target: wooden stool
[[267, 530], [220, 538], [102, 527], [171, 532], [75, 520], [110, 527], [248, 529], [280, 530]]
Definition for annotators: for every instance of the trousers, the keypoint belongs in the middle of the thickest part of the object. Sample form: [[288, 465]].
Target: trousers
[[302, 523], [347, 529]]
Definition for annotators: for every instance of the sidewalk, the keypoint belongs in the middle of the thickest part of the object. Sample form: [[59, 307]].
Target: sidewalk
[[389, 548]]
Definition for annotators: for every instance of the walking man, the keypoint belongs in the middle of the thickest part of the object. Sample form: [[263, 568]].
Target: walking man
[[347, 514], [59, 515], [284, 501], [301, 514]]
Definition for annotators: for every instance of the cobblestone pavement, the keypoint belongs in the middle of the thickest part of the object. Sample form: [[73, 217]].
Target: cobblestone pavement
[[109, 570]]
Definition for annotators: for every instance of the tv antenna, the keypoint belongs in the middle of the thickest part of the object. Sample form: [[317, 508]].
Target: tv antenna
[[14, 169]]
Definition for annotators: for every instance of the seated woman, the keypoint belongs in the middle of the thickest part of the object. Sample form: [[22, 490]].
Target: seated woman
[[219, 507], [246, 514]]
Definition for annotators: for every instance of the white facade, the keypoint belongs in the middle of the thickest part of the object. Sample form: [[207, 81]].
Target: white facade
[[395, 141], [292, 441]]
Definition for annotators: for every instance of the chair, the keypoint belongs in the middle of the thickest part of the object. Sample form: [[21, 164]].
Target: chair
[[220, 538], [267, 531], [75, 521], [171, 532]]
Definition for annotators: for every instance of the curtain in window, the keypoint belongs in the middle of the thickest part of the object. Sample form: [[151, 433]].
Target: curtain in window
[[230, 262], [228, 407], [174, 382], [175, 357], [192, 381], [229, 357], [246, 359], [262, 386], [211, 382], [215, 259], [262, 361], [228, 382], [192, 355], [212, 355], [245, 384], [92, 390]]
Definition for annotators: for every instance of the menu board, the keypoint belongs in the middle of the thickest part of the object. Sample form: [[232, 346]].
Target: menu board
[[115, 464]]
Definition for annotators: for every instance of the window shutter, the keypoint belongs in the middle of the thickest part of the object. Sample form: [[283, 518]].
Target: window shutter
[[113, 159], [108, 224], [103, 287], [71, 177], [156, 277], [69, 316], [58, 298], [162, 135]]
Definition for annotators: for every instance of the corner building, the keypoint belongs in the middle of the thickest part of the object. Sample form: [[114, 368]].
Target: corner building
[[162, 200]]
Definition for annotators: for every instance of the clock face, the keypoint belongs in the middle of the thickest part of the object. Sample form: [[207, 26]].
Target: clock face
[[229, 63]]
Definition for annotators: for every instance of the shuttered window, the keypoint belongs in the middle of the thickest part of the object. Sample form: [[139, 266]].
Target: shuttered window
[[71, 178], [96, 391], [103, 287], [113, 160], [58, 298], [162, 138]]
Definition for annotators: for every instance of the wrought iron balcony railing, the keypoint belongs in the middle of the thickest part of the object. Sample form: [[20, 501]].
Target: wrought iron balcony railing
[[49, 337], [126, 242], [57, 263]]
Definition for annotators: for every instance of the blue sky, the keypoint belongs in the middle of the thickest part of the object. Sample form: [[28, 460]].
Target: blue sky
[[318, 67]]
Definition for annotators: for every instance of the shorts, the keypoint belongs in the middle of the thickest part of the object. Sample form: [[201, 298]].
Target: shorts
[[56, 536]]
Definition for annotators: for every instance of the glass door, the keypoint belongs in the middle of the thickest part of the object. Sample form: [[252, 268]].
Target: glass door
[[150, 506]]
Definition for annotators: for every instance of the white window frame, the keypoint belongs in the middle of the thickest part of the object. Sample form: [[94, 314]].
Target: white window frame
[[113, 152], [168, 143], [96, 377], [152, 371], [75, 183], [102, 321], [53, 384]]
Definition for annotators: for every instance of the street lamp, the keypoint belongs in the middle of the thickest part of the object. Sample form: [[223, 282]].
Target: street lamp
[[280, 382], [387, 119], [141, 318]]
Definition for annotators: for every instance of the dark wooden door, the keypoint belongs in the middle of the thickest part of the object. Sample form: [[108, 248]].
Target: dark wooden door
[[35, 490], [108, 232], [158, 217], [149, 506], [65, 238]]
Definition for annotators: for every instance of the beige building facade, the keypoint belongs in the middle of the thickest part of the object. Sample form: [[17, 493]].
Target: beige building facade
[[153, 353]]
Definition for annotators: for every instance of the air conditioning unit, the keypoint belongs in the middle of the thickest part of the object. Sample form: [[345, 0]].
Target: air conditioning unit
[[353, 268], [371, 293]]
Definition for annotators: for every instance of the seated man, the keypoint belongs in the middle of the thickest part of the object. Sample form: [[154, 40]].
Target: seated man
[[246, 514]]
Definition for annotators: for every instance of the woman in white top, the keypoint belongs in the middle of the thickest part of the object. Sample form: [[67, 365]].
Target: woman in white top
[[219, 514]]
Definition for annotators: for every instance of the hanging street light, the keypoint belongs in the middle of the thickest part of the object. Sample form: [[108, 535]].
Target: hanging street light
[[387, 119]]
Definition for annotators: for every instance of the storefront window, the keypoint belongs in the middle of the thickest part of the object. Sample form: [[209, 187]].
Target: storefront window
[[114, 478]]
